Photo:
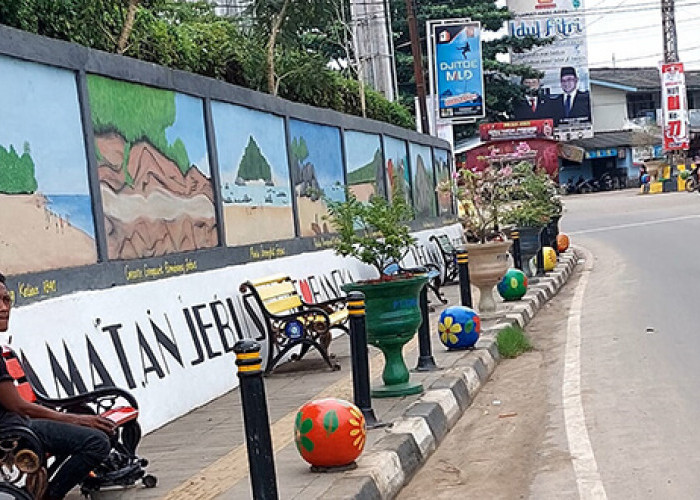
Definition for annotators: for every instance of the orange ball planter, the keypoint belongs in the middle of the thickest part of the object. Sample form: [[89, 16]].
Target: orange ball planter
[[562, 242], [330, 433]]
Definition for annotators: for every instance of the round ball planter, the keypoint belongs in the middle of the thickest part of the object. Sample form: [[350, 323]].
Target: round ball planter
[[488, 262], [550, 258], [459, 327], [392, 318], [562, 242], [330, 434], [513, 285]]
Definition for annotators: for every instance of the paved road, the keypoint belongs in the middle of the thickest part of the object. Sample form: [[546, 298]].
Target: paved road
[[620, 367]]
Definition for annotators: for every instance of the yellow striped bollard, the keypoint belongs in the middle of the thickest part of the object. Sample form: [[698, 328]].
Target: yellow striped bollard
[[358, 354], [465, 289]]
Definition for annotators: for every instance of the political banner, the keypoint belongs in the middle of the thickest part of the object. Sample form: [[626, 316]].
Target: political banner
[[526, 129], [563, 94], [674, 105], [456, 69]]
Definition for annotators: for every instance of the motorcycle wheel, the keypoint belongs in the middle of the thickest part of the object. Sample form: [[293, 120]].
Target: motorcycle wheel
[[690, 185]]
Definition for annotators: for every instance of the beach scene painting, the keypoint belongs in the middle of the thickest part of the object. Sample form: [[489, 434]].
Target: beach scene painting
[[153, 168], [365, 167], [254, 173], [423, 181], [317, 173], [396, 166], [46, 217], [442, 173]]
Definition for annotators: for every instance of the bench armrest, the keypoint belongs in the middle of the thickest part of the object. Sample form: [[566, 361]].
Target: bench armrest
[[329, 302], [94, 397]]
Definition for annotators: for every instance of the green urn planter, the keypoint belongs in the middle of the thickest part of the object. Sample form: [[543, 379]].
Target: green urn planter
[[392, 318]]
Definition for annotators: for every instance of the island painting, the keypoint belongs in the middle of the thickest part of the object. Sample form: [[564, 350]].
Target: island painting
[[363, 160], [254, 172], [317, 173], [442, 173], [46, 217], [423, 181], [397, 173], [153, 168]]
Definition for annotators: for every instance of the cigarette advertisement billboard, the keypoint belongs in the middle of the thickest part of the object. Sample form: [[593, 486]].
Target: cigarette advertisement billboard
[[456, 69], [563, 94], [674, 103]]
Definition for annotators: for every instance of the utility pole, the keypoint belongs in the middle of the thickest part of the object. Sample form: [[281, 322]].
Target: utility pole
[[668, 20], [417, 66]]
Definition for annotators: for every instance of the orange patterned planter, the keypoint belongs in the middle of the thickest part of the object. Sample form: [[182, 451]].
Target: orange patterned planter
[[562, 242], [329, 432]]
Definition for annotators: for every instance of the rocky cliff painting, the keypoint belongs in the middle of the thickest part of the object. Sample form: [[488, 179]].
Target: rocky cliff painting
[[365, 167], [396, 166], [317, 173], [254, 172], [45, 207], [423, 181], [153, 168], [442, 173]]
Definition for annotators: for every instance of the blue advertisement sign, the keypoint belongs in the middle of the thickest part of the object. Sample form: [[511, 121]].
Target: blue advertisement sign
[[458, 70]]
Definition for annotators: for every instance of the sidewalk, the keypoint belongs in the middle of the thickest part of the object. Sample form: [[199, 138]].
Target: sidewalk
[[202, 455]]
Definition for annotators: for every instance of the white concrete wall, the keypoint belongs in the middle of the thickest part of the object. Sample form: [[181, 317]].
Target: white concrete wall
[[175, 334], [609, 108]]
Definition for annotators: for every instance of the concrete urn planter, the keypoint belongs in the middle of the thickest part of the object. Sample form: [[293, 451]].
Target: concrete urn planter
[[488, 263]]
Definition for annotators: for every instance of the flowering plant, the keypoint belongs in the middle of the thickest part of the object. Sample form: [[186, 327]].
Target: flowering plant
[[483, 197], [535, 195]]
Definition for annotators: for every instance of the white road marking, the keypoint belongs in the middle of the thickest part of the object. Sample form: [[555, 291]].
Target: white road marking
[[634, 224], [590, 485]]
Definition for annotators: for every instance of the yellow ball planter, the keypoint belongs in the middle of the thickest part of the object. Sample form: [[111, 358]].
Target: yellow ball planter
[[550, 258]]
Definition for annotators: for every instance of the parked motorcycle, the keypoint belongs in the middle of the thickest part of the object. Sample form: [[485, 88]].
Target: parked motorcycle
[[691, 182]]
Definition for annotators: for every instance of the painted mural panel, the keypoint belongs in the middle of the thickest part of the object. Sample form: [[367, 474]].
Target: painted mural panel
[[397, 172], [317, 173], [254, 173], [45, 208], [442, 173], [153, 168], [363, 160], [423, 181]]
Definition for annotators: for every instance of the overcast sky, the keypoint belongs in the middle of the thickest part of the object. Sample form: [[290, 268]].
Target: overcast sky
[[630, 31]]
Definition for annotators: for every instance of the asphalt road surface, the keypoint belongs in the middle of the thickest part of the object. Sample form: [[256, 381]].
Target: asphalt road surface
[[608, 403]]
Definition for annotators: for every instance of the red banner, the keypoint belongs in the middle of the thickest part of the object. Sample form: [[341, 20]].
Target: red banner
[[524, 129]]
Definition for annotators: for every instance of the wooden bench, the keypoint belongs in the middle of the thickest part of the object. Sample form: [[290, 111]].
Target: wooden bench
[[292, 322], [449, 256]]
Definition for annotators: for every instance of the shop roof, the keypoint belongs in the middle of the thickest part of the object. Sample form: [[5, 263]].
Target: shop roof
[[636, 79], [602, 140]]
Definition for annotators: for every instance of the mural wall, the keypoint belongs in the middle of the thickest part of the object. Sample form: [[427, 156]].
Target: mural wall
[[45, 208], [396, 162], [317, 173], [254, 173], [153, 168], [363, 159], [442, 173], [423, 181]]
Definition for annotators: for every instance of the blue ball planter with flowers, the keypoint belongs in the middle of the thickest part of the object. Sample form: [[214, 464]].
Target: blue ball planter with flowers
[[459, 327]]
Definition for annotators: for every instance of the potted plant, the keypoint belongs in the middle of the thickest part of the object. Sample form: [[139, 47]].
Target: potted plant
[[377, 234], [484, 198]]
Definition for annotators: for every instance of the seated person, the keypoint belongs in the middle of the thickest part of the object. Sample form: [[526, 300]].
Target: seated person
[[82, 438]]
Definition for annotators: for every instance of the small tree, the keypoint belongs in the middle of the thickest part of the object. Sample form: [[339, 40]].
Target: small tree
[[376, 233]]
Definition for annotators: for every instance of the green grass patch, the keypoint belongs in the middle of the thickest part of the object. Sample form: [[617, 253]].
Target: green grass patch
[[512, 342]]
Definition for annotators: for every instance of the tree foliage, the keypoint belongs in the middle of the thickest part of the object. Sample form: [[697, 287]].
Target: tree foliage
[[189, 36], [17, 171], [253, 165]]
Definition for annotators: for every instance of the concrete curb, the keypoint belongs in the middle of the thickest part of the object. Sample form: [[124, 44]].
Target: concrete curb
[[385, 468]]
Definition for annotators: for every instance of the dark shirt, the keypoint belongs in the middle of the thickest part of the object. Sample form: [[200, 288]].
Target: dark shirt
[[8, 418]]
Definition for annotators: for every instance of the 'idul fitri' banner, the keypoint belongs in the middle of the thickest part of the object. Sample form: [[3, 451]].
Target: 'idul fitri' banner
[[563, 93], [457, 74]]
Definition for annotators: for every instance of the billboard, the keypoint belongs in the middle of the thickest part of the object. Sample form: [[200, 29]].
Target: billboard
[[456, 69], [526, 129], [674, 103], [563, 94]]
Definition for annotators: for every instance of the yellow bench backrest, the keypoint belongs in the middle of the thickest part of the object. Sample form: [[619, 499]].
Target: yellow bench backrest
[[277, 293]]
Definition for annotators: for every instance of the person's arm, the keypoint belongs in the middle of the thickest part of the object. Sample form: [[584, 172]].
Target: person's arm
[[13, 402]]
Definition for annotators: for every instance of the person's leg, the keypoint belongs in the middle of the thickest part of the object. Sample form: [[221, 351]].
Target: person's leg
[[85, 447]]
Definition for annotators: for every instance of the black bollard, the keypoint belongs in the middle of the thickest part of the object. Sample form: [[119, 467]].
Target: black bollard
[[517, 257], [465, 289], [540, 252], [360, 362], [426, 362], [261, 461]]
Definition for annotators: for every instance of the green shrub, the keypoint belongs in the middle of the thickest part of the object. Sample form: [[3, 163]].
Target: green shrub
[[512, 342]]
